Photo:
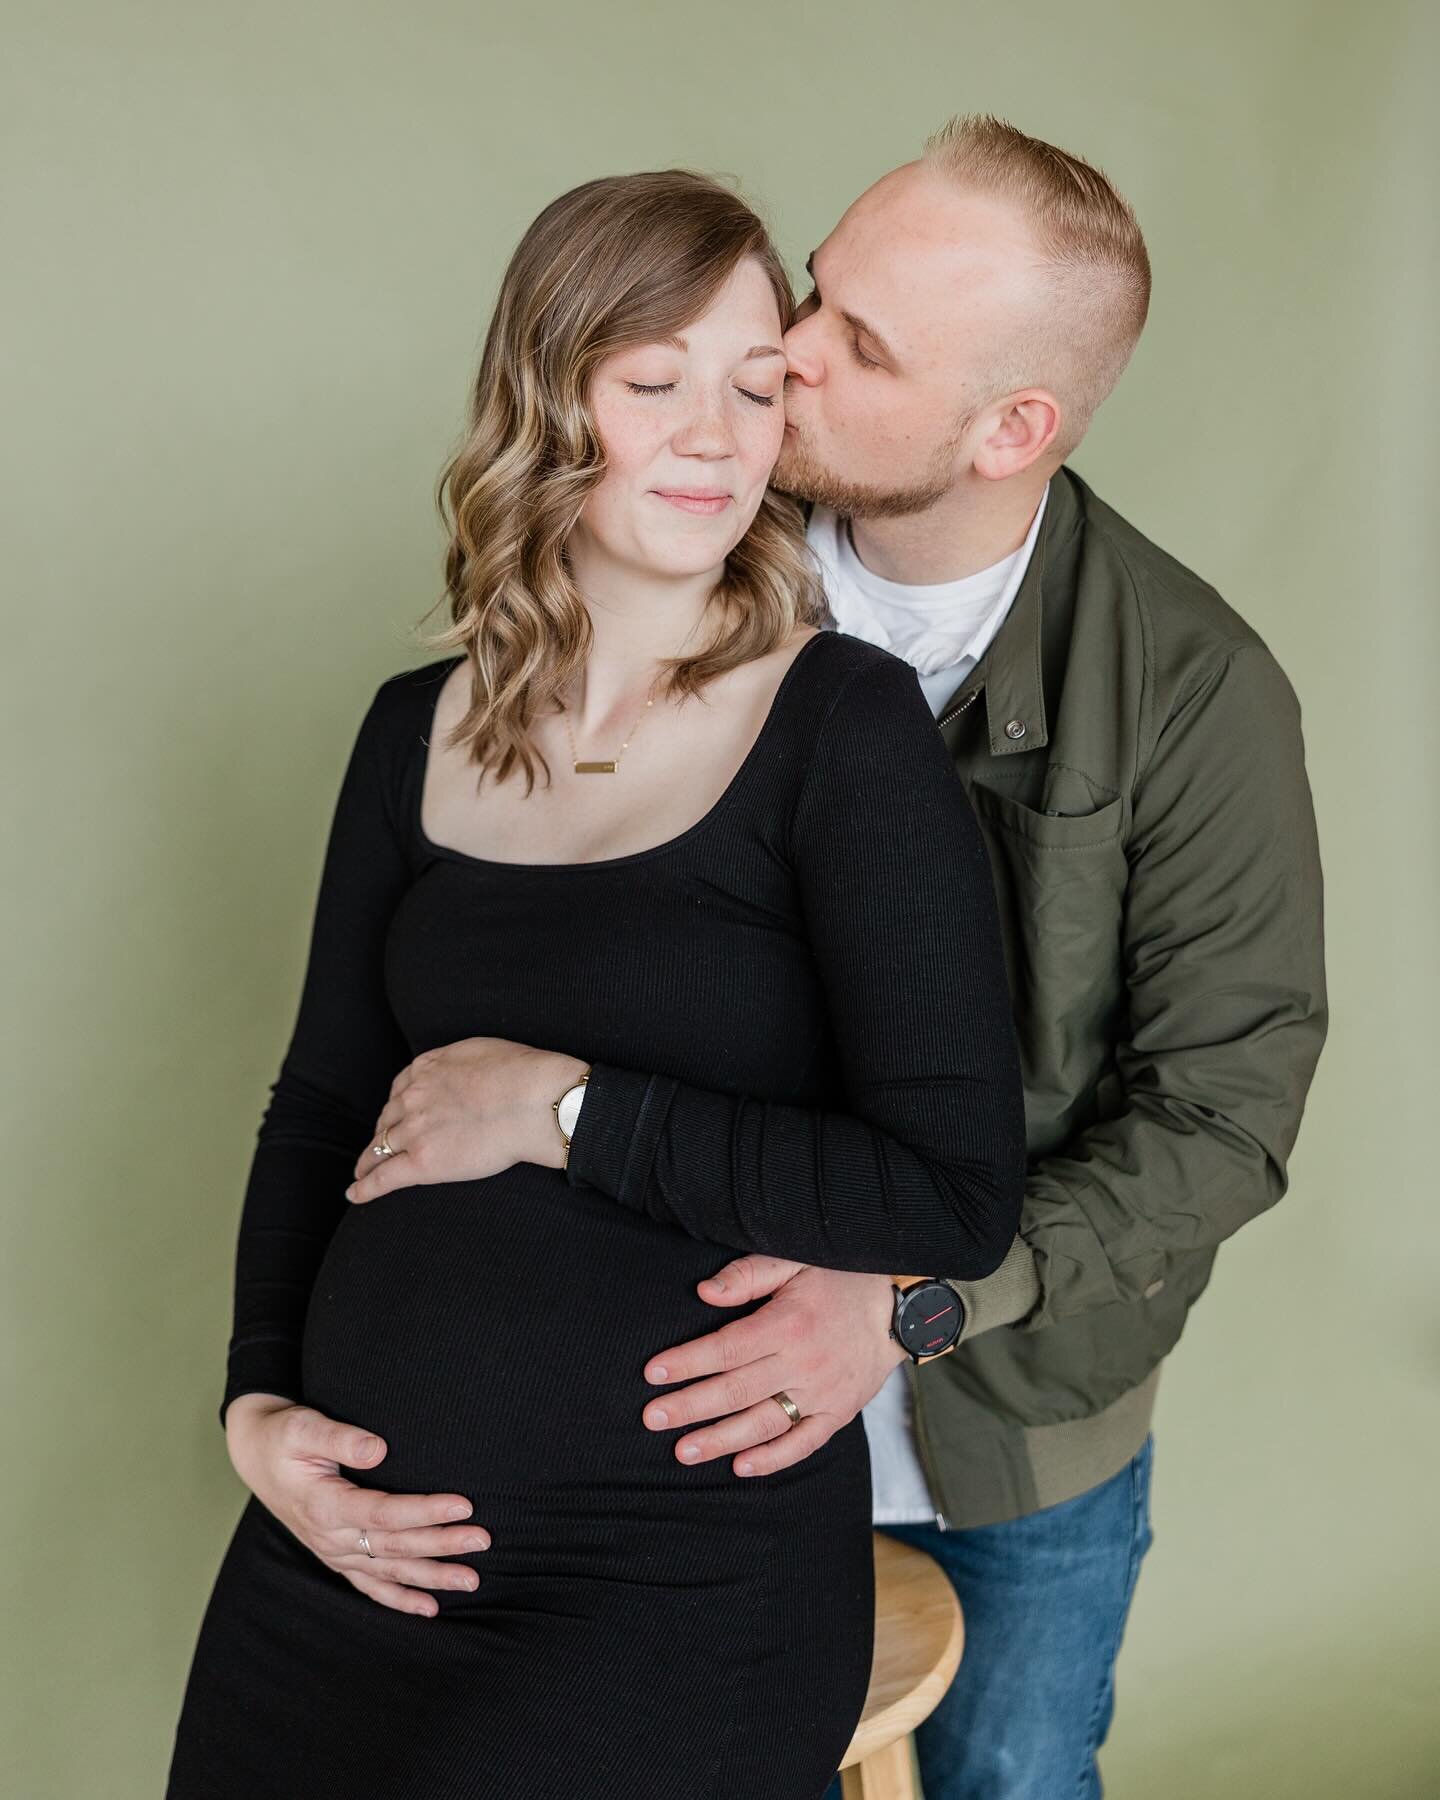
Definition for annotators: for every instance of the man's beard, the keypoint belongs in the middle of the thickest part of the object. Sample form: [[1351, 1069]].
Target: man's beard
[[796, 472]]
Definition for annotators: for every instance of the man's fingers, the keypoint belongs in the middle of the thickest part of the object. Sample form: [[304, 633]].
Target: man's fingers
[[783, 1325], [746, 1278], [739, 1431], [764, 1434], [790, 1447], [728, 1392]]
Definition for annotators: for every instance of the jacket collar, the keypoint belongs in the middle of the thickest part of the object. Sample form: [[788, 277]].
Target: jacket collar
[[1009, 671]]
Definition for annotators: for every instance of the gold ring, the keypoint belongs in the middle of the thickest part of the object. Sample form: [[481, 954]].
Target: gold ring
[[791, 1408], [385, 1147]]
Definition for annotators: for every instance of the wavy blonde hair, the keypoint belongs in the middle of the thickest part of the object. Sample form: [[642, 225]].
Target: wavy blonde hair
[[619, 261]]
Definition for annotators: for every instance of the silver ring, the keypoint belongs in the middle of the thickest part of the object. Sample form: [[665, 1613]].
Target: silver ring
[[365, 1543], [790, 1407]]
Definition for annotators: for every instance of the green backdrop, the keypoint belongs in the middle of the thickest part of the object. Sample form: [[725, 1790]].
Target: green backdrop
[[249, 258]]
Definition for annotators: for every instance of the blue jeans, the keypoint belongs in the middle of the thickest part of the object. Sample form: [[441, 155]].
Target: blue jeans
[[1045, 1601]]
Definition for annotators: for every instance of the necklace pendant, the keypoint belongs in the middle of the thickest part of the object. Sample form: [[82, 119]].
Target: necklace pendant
[[595, 768]]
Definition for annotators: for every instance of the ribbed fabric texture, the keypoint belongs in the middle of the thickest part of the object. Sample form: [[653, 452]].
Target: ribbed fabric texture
[[800, 1032], [923, 1171]]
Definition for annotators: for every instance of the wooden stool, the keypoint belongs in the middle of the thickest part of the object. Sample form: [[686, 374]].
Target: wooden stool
[[919, 1639]]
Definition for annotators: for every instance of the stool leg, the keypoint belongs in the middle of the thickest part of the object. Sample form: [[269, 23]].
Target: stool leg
[[886, 1774]]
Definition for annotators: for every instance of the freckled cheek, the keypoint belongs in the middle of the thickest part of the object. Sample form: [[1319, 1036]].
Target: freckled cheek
[[633, 457], [760, 446]]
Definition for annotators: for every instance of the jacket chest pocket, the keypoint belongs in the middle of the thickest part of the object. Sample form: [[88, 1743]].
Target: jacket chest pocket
[[1060, 884]]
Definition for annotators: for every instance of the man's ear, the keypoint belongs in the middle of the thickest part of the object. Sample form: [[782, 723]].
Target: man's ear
[[1016, 432]]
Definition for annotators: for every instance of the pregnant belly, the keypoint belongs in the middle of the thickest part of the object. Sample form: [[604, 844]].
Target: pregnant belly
[[495, 1333]]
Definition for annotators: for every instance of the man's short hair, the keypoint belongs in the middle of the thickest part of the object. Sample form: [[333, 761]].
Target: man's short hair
[[1094, 266]]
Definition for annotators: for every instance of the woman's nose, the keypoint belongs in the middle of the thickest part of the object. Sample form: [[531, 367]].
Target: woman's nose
[[706, 432]]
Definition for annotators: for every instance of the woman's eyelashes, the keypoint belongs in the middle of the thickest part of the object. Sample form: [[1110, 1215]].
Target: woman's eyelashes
[[664, 387]]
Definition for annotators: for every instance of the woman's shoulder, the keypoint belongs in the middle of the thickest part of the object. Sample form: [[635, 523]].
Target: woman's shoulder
[[860, 681], [408, 696], [395, 724], [405, 684]]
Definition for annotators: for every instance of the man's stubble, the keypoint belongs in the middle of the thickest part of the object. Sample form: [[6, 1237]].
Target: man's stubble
[[798, 473]]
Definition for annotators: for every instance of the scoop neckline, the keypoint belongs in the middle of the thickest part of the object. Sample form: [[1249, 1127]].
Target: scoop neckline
[[452, 854]]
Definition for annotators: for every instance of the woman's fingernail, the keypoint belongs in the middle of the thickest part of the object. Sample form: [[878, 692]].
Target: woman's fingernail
[[350, 1191]]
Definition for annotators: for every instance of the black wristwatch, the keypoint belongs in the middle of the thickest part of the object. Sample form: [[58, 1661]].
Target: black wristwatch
[[928, 1316]]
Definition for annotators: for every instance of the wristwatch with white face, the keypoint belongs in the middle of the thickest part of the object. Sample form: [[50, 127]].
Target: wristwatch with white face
[[927, 1318], [567, 1111]]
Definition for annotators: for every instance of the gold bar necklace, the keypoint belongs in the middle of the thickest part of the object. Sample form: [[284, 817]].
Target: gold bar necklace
[[602, 768]]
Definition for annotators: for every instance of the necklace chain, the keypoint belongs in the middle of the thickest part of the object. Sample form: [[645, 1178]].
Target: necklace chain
[[607, 766]]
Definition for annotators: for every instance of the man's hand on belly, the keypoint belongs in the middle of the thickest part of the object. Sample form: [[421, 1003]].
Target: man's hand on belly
[[823, 1338]]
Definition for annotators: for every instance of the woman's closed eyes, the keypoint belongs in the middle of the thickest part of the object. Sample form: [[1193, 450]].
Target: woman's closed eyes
[[664, 387]]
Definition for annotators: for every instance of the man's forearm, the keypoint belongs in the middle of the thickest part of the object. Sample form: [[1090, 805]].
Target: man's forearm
[[1169, 1176]]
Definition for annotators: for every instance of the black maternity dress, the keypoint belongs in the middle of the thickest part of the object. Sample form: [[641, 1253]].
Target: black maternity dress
[[799, 1027]]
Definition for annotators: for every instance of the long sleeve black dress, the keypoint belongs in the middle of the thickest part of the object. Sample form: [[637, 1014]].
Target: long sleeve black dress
[[799, 1026]]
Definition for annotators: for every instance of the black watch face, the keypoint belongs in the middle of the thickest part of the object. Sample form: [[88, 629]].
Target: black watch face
[[930, 1319]]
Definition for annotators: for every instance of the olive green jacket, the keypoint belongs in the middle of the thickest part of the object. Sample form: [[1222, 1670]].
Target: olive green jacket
[[1134, 754]]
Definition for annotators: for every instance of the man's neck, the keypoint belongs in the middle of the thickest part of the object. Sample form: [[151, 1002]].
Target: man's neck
[[977, 524]]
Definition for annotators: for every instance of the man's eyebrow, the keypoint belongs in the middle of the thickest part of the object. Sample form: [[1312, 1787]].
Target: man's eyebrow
[[680, 343], [852, 319]]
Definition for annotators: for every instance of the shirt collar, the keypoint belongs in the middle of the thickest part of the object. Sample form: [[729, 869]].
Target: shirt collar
[[923, 624], [1010, 668], [927, 625]]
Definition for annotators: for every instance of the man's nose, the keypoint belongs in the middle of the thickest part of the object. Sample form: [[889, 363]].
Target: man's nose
[[802, 363]]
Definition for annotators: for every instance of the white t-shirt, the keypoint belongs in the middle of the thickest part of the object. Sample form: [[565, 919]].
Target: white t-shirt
[[942, 630]]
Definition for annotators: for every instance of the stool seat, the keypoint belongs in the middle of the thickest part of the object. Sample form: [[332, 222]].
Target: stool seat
[[919, 1640]]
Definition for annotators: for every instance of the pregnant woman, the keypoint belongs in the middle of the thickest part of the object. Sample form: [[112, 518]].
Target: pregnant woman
[[729, 978]]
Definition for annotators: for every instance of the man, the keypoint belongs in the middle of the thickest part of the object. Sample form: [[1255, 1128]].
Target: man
[[1134, 754]]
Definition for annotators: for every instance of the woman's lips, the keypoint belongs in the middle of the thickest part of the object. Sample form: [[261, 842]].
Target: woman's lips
[[703, 503]]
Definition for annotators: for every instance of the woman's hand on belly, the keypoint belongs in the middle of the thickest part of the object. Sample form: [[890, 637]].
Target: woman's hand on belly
[[290, 1457], [464, 1111]]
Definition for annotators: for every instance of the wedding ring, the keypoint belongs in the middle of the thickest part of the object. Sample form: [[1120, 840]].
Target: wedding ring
[[365, 1543], [790, 1407], [385, 1147]]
